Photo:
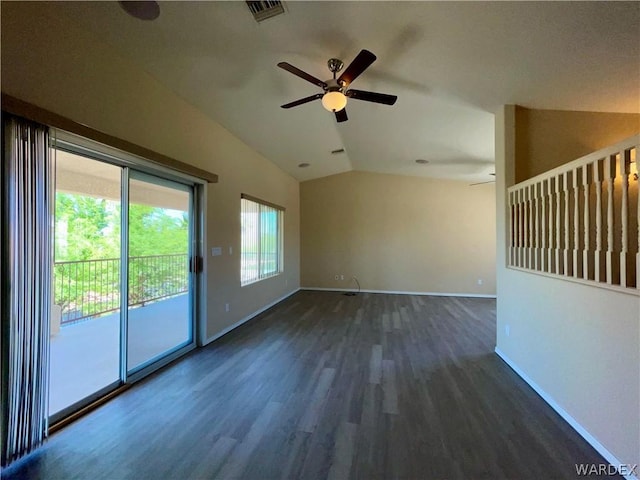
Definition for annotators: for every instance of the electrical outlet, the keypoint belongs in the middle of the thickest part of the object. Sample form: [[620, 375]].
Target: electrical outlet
[[226, 307], [341, 277], [479, 281], [230, 250]]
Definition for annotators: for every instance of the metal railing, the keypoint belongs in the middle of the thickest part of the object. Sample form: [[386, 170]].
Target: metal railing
[[90, 288], [254, 266]]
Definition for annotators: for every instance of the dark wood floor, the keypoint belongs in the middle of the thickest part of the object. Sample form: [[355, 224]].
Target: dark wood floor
[[328, 386]]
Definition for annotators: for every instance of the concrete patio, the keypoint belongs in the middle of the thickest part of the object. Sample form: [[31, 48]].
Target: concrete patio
[[85, 356]]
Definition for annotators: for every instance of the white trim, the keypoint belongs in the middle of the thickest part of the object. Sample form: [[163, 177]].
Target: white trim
[[400, 292], [248, 317], [591, 440], [581, 281], [200, 307], [87, 146]]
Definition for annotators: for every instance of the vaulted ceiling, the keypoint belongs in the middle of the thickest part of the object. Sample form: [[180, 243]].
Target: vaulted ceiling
[[450, 64]]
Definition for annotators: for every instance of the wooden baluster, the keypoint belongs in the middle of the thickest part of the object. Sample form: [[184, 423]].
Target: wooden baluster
[[610, 173], [530, 231], [636, 151], [536, 226], [625, 163], [525, 226], [598, 175], [558, 226], [519, 200], [525, 220], [565, 250], [514, 260], [550, 185], [517, 229], [511, 226], [523, 231], [587, 272], [520, 228], [543, 221], [577, 266]]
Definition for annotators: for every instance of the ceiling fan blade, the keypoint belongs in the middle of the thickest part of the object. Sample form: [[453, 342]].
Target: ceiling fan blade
[[303, 100], [372, 96], [481, 183], [359, 65], [304, 75], [341, 115]]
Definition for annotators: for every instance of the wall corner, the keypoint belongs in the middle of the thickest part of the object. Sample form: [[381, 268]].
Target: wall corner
[[505, 136]]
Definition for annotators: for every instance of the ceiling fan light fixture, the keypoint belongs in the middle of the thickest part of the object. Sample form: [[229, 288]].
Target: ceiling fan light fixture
[[334, 101]]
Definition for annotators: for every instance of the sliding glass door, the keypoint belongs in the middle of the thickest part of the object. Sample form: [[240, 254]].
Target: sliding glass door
[[123, 286], [85, 320], [159, 310]]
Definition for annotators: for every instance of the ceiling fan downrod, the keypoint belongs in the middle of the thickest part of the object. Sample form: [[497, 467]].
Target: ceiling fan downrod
[[335, 65]]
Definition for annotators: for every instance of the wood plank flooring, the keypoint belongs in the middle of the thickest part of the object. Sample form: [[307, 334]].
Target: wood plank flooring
[[328, 386]]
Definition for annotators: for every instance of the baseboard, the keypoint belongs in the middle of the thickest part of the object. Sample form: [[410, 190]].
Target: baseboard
[[591, 440], [248, 317], [400, 292]]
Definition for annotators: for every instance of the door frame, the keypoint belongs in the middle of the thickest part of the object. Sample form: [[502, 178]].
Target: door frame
[[148, 366], [132, 163]]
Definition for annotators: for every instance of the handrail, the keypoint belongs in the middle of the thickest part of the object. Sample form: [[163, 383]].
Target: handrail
[[581, 220], [632, 141], [117, 259]]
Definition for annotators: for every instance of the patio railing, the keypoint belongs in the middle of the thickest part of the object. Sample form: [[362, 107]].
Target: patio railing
[[90, 288]]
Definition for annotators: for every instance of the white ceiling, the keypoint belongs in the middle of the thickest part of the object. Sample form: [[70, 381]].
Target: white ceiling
[[450, 63]]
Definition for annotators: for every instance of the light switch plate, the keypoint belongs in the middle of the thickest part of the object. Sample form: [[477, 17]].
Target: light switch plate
[[216, 251]]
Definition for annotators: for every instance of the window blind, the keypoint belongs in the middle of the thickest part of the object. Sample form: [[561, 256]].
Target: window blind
[[261, 249]]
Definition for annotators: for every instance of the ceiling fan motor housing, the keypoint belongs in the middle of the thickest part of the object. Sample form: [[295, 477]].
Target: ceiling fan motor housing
[[333, 86], [335, 65]]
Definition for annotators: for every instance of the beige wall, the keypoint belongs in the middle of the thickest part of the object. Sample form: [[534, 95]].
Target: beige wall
[[47, 61], [546, 139], [579, 344], [397, 233]]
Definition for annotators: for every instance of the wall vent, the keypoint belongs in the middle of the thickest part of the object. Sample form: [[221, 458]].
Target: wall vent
[[263, 9]]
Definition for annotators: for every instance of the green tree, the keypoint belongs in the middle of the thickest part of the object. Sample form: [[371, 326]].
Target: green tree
[[157, 231], [88, 228]]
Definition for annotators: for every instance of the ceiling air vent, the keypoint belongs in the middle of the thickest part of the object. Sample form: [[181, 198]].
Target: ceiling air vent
[[263, 9]]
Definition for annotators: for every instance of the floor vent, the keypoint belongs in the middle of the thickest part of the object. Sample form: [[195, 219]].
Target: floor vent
[[263, 9]]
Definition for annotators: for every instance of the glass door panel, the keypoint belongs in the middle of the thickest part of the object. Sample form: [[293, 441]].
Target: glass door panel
[[159, 283], [85, 323], [122, 279]]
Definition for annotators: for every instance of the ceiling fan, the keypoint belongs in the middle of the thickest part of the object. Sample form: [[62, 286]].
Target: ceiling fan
[[336, 90], [482, 183]]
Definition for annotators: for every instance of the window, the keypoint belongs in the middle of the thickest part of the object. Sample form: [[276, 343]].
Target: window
[[261, 240]]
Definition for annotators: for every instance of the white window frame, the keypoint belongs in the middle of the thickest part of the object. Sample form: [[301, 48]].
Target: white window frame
[[253, 240]]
